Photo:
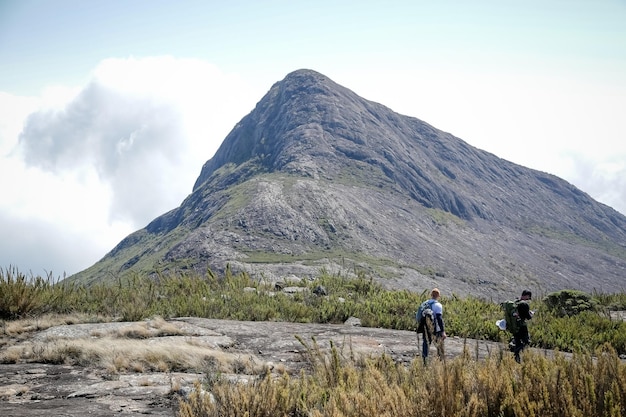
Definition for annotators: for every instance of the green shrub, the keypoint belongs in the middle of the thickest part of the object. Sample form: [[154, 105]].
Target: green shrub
[[568, 302], [22, 296]]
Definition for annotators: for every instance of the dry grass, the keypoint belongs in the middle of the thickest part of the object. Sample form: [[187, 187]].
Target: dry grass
[[164, 354], [462, 387], [157, 327], [151, 346], [28, 325], [13, 390]]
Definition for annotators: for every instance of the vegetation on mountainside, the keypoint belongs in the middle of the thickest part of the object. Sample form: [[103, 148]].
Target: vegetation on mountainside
[[236, 296], [591, 382], [573, 238]]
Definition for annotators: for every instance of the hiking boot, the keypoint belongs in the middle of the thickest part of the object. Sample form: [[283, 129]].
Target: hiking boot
[[512, 345]]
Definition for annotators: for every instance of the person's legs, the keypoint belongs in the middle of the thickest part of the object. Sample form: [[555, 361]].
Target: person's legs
[[517, 350], [521, 340], [512, 344], [439, 342], [425, 346]]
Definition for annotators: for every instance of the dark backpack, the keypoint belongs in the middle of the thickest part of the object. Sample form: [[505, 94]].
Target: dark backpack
[[511, 316], [424, 317]]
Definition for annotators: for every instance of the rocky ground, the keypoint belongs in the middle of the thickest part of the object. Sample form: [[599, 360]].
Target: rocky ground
[[38, 389]]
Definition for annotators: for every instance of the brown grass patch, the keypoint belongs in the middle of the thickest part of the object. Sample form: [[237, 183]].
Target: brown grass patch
[[17, 327], [157, 327], [116, 354]]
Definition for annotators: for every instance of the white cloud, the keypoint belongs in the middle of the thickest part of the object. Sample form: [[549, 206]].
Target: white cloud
[[14, 110], [604, 180], [97, 162], [131, 143]]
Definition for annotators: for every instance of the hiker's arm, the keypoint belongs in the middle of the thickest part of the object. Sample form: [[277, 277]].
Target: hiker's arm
[[439, 318], [523, 310]]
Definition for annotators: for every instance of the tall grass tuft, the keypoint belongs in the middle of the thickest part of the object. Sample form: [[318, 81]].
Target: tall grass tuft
[[462, 387], [22, 295]]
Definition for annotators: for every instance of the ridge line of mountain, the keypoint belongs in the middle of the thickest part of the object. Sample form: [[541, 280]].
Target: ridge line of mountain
[[317, 178]]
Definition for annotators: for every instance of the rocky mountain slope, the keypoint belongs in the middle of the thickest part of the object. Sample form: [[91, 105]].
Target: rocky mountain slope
[[316, 177]]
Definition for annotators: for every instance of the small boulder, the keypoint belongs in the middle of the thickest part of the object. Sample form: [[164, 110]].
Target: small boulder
[[320, 290], [353, 321]]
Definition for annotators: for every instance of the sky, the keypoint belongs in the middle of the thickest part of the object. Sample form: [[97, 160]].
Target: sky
[[108, 109]]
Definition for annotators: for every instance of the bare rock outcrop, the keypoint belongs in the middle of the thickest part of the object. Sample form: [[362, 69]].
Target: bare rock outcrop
[[239, 349]]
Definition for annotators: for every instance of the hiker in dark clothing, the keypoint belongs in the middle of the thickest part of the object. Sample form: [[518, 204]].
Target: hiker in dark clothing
[[521, 338]]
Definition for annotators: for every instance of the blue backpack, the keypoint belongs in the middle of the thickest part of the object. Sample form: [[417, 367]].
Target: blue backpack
[[423, 313]]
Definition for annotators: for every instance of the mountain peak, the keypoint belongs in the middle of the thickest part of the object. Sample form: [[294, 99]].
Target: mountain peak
[[316, 176], [304, 73], [295, 109], [303, 78]]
